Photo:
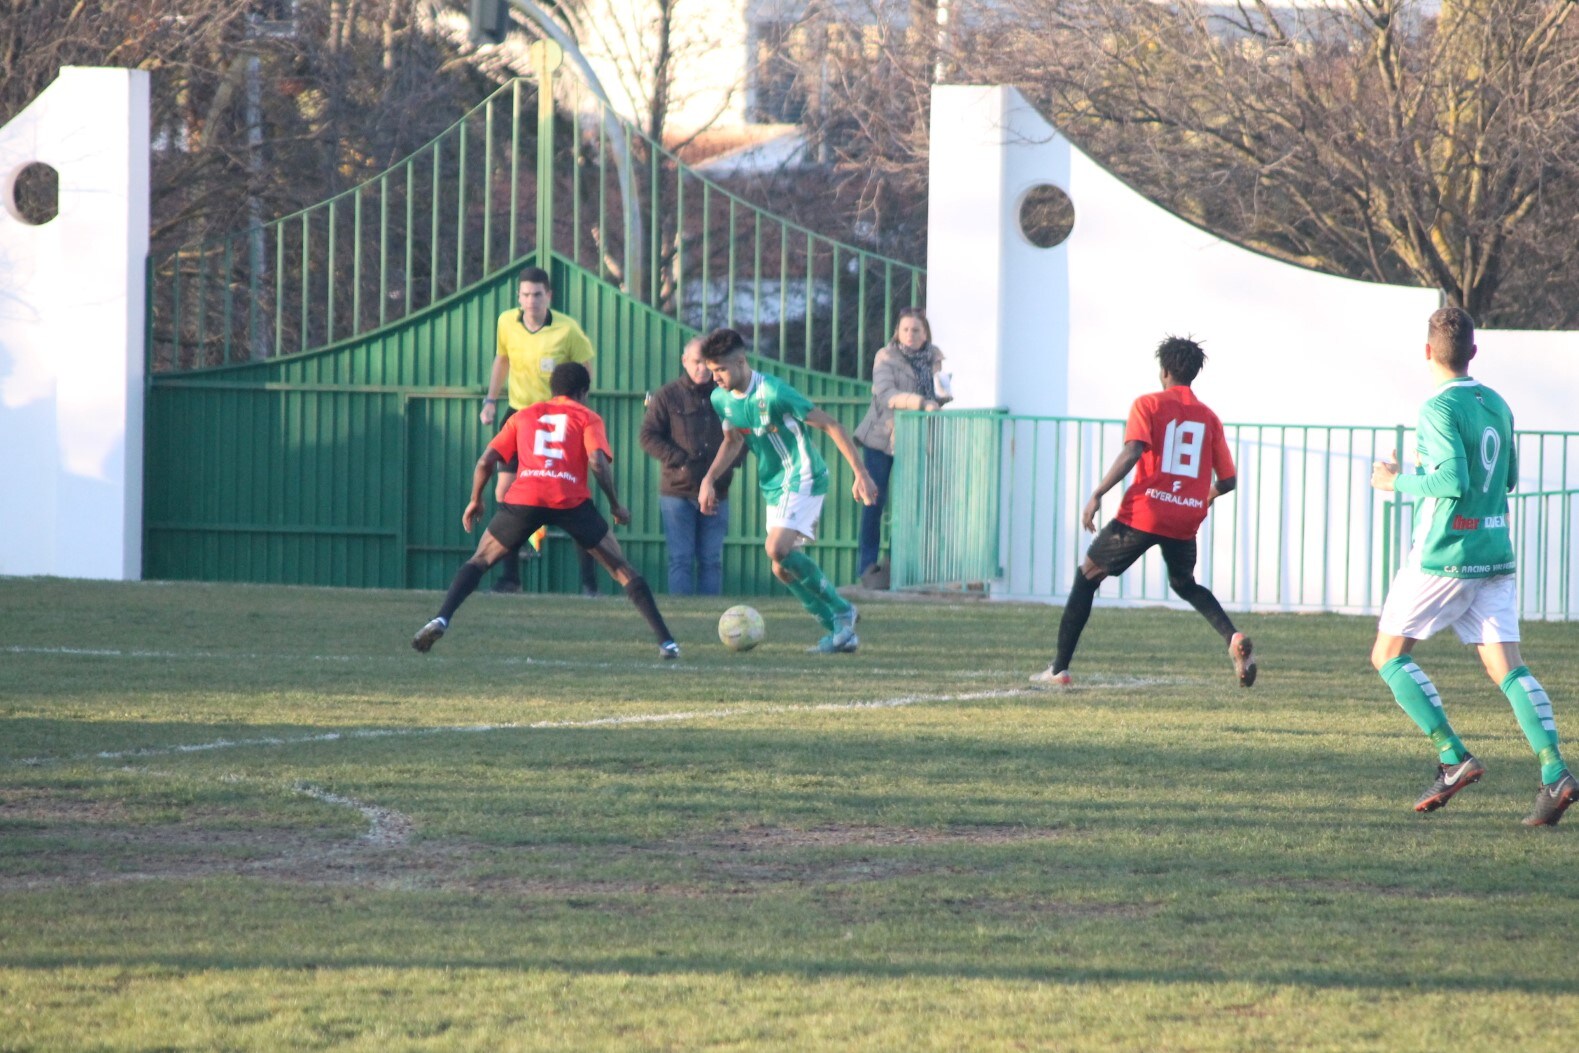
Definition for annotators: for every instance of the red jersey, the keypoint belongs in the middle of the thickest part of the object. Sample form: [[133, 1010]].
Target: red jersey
[[1185, 448], [554, 441]]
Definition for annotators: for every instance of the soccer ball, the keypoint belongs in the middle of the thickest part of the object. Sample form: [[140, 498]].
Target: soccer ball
[[741, 628]]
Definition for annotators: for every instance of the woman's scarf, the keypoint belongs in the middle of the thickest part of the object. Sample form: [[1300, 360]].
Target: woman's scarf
[[920, 363]]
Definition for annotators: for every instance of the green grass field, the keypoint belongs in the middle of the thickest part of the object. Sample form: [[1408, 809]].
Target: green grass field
[[252, 818]]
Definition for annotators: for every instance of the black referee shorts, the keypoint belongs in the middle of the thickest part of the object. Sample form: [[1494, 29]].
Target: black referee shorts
[[513, 524], [512, 464], [1119, 545]]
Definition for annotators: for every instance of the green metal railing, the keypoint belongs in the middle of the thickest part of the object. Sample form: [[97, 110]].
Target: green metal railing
[[944, 498], [384, 250], [1543, 543], [1303, 531], [482, 196], [349, 466], [314, 382]]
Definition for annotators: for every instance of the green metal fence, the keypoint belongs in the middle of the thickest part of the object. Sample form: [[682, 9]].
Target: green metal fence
[[350, 465], [944, 498], [314, 383], [1303, 531], [483, 195]]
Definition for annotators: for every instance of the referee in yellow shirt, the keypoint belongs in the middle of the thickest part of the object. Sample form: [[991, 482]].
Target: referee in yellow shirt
[[531, 342]]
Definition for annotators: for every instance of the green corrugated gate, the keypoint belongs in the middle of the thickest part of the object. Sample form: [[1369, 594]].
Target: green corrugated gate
[[350, 465]]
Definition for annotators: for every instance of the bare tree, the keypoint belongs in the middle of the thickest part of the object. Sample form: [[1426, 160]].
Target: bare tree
[[1374, 138], [259, 107], [1389, 140]]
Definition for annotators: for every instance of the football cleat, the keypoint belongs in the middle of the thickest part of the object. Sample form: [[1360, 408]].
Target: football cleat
[[841, 641], [428, 634], [1239, 649], [506, 585], [668, 649], [1450, 778], [1048, 678], [1552, 800]]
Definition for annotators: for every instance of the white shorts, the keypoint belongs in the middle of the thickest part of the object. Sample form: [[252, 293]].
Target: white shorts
[[798, 512], [1480, 610]]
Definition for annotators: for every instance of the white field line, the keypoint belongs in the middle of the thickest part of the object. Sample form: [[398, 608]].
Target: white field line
[[270, 741], [386, 828], [749, 667]]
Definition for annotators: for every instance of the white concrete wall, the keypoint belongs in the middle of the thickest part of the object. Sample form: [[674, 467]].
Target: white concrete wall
[[1283, 344], [71, 331], [1071, 330], [998, 306]]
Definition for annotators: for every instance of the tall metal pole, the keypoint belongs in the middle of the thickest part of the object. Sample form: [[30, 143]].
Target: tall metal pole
[[618, 137], [546, 56]]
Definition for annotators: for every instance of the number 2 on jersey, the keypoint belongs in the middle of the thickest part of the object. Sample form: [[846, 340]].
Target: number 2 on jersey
[[550, 435], [1181, 447]]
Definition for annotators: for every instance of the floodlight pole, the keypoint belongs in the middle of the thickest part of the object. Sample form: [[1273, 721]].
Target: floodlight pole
[[618, 139]]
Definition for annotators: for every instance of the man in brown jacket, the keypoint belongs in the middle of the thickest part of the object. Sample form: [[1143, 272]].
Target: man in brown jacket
[[682, 432]]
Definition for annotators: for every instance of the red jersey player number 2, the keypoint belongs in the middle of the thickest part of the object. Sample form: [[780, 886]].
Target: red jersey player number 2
[[1185, 450], [549, 443], [553, 442]]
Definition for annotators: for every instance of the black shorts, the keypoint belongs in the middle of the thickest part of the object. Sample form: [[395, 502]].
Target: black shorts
[[1119, 545], [513, 524], [513, 462]]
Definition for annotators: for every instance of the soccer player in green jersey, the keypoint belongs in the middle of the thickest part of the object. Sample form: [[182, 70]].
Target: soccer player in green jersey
[[772, 419], [1460, 571]]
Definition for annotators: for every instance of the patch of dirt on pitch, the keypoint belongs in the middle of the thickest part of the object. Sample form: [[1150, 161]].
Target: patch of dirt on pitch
[[776, 838], [78, 843], [29, 807], [744, 859]]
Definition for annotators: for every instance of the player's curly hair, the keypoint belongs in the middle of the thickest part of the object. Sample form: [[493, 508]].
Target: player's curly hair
[[721, 343], [1182, 357], [1451, 335], [570, 378]]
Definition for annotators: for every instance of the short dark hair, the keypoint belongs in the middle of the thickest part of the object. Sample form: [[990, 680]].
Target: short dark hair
[[1182, 357], [570, 378], [1451, 335], [535, 275], [721, 343]]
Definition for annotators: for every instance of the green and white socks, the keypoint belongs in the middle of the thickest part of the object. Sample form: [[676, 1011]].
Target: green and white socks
[[1417, 696], [815, 592], [1533, 710]]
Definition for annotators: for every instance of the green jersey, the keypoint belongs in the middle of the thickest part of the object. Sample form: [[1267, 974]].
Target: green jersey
[[773, 417], [1468, 465]]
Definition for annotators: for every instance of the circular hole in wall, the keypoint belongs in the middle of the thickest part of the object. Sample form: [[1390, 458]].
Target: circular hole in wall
[[1046, 215], [35, 194]]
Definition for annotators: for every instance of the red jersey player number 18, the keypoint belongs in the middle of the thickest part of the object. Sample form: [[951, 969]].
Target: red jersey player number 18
[[1185, 450]]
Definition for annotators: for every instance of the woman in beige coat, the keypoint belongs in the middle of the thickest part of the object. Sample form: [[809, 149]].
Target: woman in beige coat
[[904, 377]]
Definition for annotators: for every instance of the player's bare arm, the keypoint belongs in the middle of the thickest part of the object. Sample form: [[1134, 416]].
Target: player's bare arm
[[486, 465], [728, 450], [496, 382], [864, 489], [1126, 460], [603, 471]]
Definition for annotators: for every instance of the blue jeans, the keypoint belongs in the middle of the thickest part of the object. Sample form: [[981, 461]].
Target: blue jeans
[[879, 465], [694, 538]]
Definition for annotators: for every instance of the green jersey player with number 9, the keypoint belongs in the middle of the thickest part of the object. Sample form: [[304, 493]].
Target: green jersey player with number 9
[[1459, 572]]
